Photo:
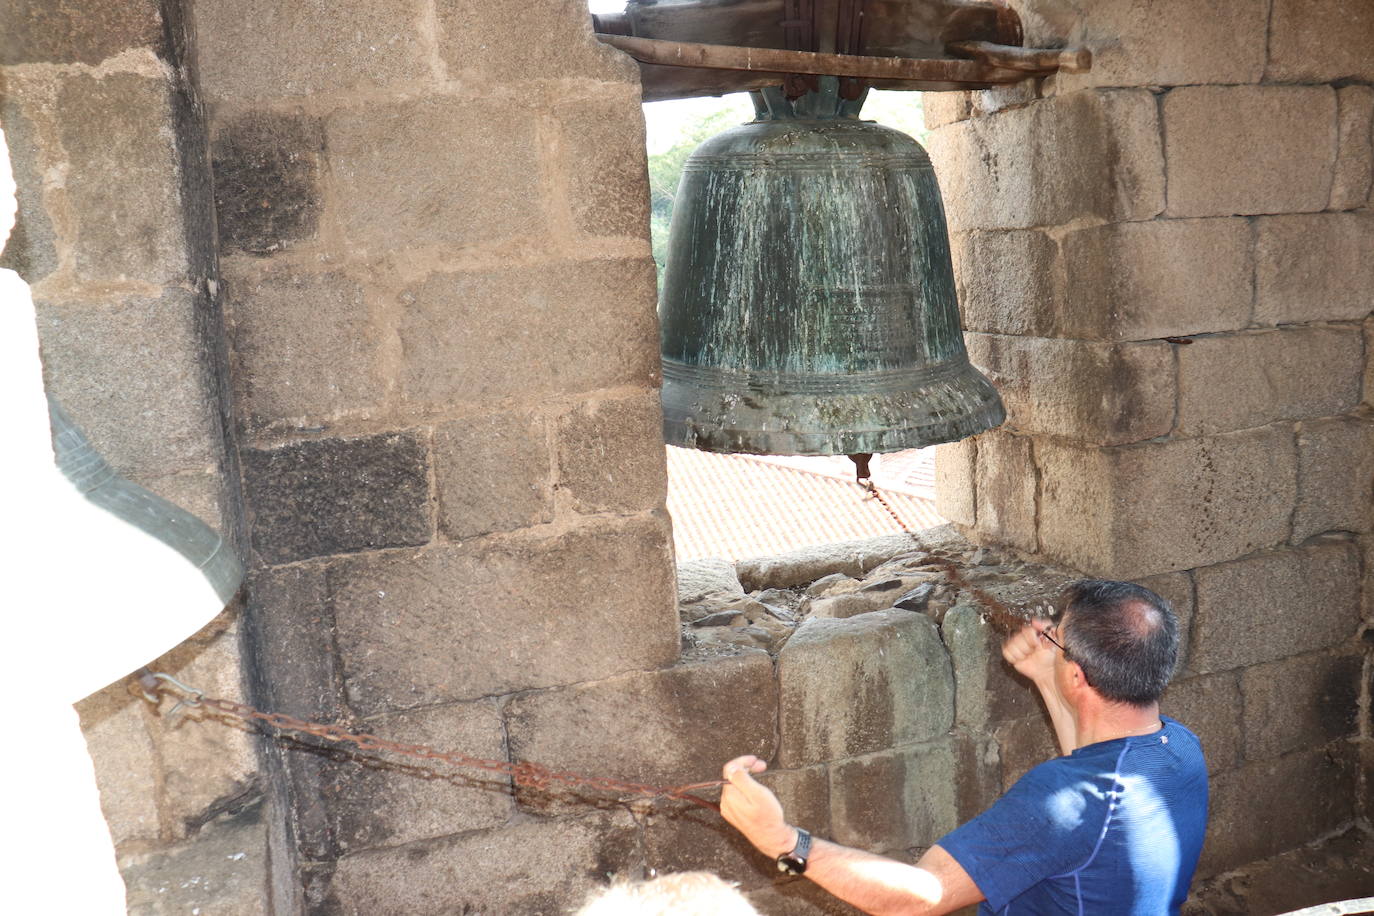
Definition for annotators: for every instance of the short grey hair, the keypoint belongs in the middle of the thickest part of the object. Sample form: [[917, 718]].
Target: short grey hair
[[1123, 636]]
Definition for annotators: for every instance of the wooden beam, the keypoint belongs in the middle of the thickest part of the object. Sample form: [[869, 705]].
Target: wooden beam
[[771, 60], [1031, 60]]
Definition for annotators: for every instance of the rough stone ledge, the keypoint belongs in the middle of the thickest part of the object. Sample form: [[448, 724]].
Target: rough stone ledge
[[804, 566]]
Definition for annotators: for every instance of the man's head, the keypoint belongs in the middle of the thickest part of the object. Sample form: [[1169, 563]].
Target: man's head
[[1123, 636]]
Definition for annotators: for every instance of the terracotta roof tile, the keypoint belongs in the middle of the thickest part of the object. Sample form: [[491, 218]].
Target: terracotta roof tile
[[738, 506]]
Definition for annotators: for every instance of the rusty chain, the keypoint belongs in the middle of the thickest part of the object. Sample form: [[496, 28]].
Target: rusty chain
[[996, 612], [524, 772], [521, 772]]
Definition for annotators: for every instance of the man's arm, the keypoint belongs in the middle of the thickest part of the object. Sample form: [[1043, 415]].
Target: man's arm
[[1032, 655], [936, 884]]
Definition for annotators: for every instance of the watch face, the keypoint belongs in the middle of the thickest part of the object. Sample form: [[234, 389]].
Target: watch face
[[791, 865]]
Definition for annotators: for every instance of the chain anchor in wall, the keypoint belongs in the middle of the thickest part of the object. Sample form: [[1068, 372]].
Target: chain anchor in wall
[[153, 685]]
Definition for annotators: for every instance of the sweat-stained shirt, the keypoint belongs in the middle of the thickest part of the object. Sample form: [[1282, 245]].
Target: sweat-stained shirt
[[1114, 827]]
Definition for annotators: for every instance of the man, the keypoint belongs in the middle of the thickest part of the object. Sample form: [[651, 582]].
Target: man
[[1113, 826]]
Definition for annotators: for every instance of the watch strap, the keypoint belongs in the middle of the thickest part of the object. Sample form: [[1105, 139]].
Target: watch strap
[[794, 862]]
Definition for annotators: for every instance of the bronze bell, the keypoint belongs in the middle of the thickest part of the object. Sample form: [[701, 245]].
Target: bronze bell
[[808, 305]]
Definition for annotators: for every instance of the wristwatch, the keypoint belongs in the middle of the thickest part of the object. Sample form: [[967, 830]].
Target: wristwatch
[[794, 862]]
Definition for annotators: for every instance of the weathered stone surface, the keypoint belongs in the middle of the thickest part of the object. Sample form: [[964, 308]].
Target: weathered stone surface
[[1369, 363], [999, 98], [1090, 154], [434, 171], [267, 176], [131, 376], [223, 870], [956, 493], [1211, 708], [855, 686], [667, 727], [1168, 43], [126, 763], [1335, 477], [1177, 589], [1006, 489], [330, 496], [457, 348], [1317, 591], [1279, 142], [1163, 278], [1023, 744], [1313, 267], [986, 689], [1355, 157], [978, 774], [1366, 546], [941, 108], [799, 897], [198, 492], [1104, 394], [610, 454], [1319, 41], [493, 473], [531, 867], [863, 600], [897, 799], [1273, 805], [455, 623], [601, 152], [30, 250], [1005, 280], [206, 768], [249, 49], [121, 180], [293, 627], [804, 566], [1300, 702], [1238, 381], [1140, 510], [514, 41], [73, 31], [1337, 868], [687, 837], [375, 803], [307, 345], [697, 579]]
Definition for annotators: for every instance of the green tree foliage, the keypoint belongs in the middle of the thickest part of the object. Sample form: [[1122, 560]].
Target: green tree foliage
[[665, 172], [901, 110]]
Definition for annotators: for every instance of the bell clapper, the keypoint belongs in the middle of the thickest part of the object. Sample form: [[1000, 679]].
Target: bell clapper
[[862, 476]]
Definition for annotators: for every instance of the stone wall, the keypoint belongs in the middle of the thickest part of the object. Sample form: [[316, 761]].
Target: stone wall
[[115, 237], [876, 691], [411, 366], [1165, 265], [439, 297]]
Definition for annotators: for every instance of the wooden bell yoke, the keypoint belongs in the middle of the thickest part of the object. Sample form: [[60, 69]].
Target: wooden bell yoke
[[689, 48]]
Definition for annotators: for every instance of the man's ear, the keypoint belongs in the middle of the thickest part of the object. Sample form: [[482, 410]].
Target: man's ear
[[1076, 675]]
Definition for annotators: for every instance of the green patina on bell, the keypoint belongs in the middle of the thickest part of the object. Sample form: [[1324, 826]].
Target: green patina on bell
[[808, 305]]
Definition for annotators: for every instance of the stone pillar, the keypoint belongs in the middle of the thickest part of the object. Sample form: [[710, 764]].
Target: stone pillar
[[1165, 265], [434, 244], [115, 238]]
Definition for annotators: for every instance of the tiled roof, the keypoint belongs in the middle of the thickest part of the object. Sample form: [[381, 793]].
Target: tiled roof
[[738, 506]]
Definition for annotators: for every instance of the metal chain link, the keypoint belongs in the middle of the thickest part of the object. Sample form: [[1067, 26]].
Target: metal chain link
[[528, 773], [521, 772], [1003, 618]]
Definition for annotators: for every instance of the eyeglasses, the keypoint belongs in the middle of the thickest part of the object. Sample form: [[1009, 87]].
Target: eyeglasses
[[1046, 633]]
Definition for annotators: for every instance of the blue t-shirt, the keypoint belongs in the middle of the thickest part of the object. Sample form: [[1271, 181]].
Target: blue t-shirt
[[1114, 827]]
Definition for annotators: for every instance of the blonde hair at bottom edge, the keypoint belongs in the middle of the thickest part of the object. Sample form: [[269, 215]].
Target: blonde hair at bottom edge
[[689, 893]]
